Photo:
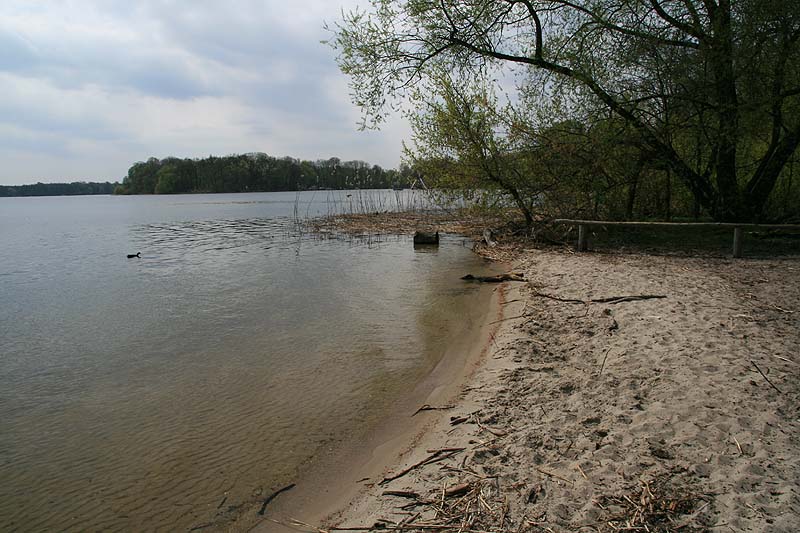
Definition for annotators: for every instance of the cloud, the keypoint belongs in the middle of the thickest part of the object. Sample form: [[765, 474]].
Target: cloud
[[89, 88]]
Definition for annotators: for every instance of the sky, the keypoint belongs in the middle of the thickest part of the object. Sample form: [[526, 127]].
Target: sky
[[89, 88]]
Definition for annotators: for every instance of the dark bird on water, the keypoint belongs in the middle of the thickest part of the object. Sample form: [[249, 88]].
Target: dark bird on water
[[131, 256]]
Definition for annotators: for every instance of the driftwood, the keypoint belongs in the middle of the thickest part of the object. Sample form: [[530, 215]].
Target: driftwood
[[273, 496], [610, 300], [457, 490], [434, 457], [427, 407], [455, 420], [512, 276], [401, 494]]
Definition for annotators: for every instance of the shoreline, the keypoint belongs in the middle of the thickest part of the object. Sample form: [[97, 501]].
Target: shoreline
[[673, 414], [325, 491]]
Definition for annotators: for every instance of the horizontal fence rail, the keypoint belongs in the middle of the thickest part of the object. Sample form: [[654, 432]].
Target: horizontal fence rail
[[583, 225]]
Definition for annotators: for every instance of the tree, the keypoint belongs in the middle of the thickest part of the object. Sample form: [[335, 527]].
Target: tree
[[711, 87], [460, 141], [141, 178]]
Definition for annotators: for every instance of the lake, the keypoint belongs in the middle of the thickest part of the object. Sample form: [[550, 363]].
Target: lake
[[176, 389]]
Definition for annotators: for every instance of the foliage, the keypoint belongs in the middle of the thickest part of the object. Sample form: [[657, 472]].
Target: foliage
[[255, 172], [707, 92], [460, 142], [58, 189]]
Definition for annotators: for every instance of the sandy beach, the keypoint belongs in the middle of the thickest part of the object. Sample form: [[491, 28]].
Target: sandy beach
[[675, 412]]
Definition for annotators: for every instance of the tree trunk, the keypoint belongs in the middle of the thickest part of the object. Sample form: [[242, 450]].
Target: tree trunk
[[631, 197], [668, 199], [720, 51]]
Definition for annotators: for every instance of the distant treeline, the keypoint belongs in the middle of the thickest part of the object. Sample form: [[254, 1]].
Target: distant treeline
[[58, 189], [255, 172]]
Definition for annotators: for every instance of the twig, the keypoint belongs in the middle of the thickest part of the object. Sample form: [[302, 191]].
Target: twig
[[427, 407], [433, 458], [558, 299], [611, 300], [765, 377], [602, 366], [619, 299], [738, 445], [445, 450], [401, 494], [550, 474], [468, 472], [512, 276]]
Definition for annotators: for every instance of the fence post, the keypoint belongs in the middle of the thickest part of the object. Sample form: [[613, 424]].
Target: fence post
[[582, 244], [737, 242]]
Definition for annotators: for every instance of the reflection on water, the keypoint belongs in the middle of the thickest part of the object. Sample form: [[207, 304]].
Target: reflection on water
[[171, 391]]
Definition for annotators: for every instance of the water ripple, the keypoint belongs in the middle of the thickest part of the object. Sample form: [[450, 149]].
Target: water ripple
[[134, 393]]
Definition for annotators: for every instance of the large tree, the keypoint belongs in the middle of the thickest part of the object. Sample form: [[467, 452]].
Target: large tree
[[461, 141], [711, 87]]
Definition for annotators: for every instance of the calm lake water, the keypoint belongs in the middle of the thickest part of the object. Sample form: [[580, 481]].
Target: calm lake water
[[172, 391]]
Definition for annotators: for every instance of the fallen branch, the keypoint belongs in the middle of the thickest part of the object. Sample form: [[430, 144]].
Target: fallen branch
[[455, 420], [611, 300], [427, 407], [513, 276], [401, 493], [556, 298], [435, 457], [619, 299]]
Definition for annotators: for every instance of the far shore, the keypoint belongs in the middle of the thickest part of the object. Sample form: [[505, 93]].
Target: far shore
[[670, 408]]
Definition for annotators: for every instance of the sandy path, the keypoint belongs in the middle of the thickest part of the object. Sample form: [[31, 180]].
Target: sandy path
[[597, 417]]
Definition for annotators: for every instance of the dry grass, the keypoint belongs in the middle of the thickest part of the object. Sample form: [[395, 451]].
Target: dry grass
[[510, 238]]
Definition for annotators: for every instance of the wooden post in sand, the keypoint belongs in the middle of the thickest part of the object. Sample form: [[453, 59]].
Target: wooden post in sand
[[582, 234], [737, 242]]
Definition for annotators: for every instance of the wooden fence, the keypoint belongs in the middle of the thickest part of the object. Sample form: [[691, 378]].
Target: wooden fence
[[583, 225]]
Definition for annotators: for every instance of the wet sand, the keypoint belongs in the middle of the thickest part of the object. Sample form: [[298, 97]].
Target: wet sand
[[325, 493], [662, 414]]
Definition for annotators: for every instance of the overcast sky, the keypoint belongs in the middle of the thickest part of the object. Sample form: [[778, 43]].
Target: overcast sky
[[88, 88]]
